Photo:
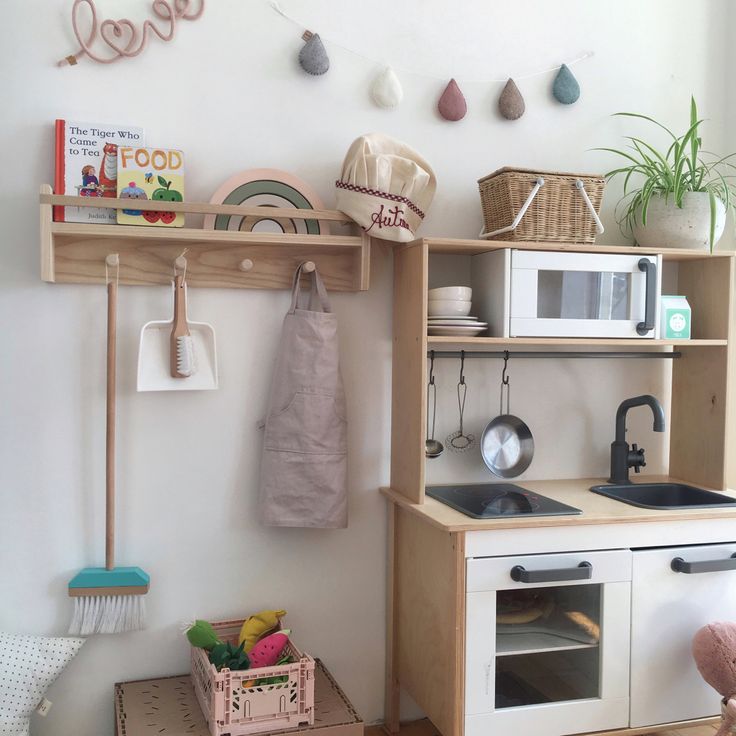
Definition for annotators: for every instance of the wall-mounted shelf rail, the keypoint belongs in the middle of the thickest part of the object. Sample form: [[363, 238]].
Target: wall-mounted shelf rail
[[74, 252]]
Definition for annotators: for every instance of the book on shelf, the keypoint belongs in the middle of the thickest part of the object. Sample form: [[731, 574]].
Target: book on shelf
[[86, 159], [154, 174]]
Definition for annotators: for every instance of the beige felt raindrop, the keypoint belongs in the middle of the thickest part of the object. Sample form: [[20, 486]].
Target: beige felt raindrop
[[511, 103]]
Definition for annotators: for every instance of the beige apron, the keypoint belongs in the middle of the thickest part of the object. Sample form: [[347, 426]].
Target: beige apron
[[304, 463]]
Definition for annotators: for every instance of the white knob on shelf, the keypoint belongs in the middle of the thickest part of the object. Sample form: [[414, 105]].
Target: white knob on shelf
[[181, 263], [246, 264], [112, 260], [308, 267]]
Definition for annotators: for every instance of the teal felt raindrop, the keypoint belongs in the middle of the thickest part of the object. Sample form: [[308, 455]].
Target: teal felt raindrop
[[565, 88], [313, 56]]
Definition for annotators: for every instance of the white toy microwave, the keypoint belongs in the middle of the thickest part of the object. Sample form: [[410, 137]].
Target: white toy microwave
[[526, 293]]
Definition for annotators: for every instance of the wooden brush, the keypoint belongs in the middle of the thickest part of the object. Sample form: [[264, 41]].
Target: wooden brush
[[181, 349]]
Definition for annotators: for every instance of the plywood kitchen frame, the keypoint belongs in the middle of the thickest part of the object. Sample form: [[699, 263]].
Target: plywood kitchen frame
[[698, 430], [431, 545]]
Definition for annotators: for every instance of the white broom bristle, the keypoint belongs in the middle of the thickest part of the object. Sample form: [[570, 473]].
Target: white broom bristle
[[185, 365], [108, 614]]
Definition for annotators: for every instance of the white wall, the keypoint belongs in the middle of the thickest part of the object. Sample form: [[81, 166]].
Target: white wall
[[228, 93]]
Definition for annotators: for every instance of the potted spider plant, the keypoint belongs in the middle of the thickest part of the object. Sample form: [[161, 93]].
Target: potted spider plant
[[677, 196]]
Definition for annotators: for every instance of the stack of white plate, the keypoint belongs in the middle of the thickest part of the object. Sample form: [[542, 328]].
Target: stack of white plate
[[448, 312]]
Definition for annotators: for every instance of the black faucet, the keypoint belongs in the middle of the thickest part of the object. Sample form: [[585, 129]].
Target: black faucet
[[623, 457]]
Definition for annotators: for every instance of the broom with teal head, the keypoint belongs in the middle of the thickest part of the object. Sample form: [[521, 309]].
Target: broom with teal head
[[109, 600]]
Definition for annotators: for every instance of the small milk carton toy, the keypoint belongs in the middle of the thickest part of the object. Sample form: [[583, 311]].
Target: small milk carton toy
[[154, 174], [675, 313]]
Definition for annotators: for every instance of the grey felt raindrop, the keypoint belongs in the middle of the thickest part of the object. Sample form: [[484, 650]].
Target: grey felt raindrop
[[313, 56], [511, 103], [565, 88], [452, 105]]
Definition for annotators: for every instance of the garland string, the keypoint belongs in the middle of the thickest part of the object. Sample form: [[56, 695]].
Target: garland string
[[582, 57]]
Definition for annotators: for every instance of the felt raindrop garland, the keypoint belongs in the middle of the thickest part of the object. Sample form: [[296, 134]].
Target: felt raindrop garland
[[386, 90]]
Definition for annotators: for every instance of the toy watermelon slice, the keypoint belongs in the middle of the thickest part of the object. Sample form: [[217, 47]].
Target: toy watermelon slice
[[267, 651]]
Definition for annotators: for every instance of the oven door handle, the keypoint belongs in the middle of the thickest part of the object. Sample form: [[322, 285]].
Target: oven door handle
[[650, 296], [584, 571], [689, 568]]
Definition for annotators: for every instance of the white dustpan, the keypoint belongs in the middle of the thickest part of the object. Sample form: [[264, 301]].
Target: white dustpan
[[154, 372]]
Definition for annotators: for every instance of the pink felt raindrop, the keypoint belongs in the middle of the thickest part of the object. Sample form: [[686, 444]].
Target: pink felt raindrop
[[452, 105]]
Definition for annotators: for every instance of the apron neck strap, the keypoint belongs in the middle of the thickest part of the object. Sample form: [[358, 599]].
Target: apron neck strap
[[317, 293]]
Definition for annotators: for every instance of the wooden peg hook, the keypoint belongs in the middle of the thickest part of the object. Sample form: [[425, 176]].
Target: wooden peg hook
[[246, 264], [308, 267]]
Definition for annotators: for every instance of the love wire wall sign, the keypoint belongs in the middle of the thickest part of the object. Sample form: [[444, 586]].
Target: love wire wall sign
[[122, 39]]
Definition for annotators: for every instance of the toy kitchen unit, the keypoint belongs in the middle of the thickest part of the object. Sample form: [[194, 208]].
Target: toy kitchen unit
[[555, 606]]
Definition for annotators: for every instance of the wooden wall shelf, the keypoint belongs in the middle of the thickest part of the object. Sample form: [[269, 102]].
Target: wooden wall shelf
[[75, 252]]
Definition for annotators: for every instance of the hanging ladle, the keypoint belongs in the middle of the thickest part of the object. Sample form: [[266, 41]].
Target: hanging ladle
[[459, 441], [432, 447]]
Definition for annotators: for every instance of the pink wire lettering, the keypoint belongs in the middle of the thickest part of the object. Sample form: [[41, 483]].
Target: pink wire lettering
[[122, 36]]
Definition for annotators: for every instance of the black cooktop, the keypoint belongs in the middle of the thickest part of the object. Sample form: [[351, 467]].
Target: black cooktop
[[486, 500]]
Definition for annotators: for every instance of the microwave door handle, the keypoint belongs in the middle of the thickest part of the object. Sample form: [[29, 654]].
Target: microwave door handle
[[650, 296]]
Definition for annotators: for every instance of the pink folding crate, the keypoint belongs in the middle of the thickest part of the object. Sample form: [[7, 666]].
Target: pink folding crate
[[234, 703]]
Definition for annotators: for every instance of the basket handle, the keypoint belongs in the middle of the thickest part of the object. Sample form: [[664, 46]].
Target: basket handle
[[537, 186], [598, 224]]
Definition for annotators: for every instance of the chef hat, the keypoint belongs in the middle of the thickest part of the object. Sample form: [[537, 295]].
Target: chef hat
[[385, 186]]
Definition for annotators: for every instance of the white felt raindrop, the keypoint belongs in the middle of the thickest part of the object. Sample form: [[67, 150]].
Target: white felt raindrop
[[386, 89]]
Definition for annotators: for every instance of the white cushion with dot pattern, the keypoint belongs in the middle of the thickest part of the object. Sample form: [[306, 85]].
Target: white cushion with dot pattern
[[28, 666]]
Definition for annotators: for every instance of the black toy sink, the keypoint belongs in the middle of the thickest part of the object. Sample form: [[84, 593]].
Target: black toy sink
[[664, 495]]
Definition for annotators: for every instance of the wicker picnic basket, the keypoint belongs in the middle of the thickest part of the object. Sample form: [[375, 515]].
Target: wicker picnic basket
[[546, 206]]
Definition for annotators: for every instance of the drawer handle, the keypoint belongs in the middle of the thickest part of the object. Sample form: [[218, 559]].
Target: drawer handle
[[690, 568], [584, 571]]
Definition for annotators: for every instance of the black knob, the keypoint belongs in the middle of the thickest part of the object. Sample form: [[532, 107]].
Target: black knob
[[636, 458]]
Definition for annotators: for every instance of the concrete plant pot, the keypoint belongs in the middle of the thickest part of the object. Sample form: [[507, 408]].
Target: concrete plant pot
[[668, 226]]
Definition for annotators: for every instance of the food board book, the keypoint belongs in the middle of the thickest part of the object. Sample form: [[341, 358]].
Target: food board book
[[152, 174]]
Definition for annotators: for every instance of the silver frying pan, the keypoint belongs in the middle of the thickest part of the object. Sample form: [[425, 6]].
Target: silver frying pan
[[507, 444]]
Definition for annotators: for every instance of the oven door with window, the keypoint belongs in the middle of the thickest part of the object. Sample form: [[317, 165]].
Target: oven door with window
[[584, 295], [547, 643]]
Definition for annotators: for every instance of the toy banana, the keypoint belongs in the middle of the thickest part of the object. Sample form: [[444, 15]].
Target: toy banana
[[258, 625]]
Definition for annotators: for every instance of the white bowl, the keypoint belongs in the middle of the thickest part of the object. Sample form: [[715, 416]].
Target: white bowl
[[454, 293], [448, 307]]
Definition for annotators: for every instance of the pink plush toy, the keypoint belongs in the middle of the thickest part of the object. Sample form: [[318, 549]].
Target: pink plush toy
[[714, 650]]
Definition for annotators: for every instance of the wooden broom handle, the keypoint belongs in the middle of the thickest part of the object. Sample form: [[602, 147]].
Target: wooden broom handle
[[112, 299]]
